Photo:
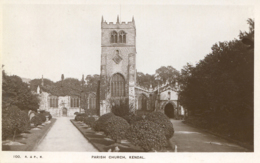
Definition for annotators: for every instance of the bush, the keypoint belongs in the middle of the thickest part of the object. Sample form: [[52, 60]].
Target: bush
[[147, 135], [36, 120], [133, 118], [116, 128], [163, 121], [46, 113], [120, 108], [43, 117], [25, 122], [100, 123], [14, 121], [91, 112], [80, 117], [89, 120]]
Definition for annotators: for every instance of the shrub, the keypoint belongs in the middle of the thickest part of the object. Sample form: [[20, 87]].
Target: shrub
[[14, 121], [116, 128], [100, 123], [133, 118], [36, 120], [91, 112], [163, 121], [80, 117], [89, 120], [120, 107], [43, 117], [46, 113], [147, 135], [25, 122]]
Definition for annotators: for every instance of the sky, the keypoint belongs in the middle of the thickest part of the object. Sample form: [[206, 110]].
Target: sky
[[55, 39]]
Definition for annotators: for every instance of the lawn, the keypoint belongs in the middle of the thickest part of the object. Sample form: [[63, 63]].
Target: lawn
[[29, 140]]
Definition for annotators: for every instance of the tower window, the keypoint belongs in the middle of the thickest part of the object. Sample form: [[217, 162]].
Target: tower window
[[118, 86], [122, 37], [113, 38]]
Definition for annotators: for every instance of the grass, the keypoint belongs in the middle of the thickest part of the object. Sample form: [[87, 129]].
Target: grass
[[30, 139]]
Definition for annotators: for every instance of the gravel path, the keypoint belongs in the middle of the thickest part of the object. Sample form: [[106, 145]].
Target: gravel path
[[63, 136]]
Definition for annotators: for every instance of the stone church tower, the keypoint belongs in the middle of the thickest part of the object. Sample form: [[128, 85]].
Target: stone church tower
[[118, 63]]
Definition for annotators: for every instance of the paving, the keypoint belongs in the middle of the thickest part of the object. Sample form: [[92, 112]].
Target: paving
[[191, 139], [64, 136]]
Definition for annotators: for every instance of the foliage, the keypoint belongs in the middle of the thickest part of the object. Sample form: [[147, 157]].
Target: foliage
[[163, 74], [14, 121], [148, 135], [116, 128], [100, 123], [80, 117], [15, 92], [163, 121], [120, 107], [89, 120], [222, 85], [131, 119], [36, 120], [90, 112], [46, 113]]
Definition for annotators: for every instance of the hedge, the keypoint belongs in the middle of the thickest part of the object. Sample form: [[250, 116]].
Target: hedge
[[147, 135], [163, 121]]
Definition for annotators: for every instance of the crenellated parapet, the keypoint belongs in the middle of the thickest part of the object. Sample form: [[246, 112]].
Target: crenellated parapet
[[118, 24]]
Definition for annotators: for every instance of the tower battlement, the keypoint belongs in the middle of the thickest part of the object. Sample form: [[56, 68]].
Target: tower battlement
[[117, 24]]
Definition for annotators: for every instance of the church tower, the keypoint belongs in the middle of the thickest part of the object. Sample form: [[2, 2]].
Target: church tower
[[118, 61]]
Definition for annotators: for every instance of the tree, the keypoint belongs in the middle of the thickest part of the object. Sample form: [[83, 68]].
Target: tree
[[221, 87], [16, 92]]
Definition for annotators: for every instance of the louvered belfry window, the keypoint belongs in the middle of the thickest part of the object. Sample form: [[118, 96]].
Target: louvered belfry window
[[122, 37], [113, 38], [118, 86]]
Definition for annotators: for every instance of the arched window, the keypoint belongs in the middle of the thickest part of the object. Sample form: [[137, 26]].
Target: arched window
[[142, 102], [117, 86], [53, 101], [122, 37], [113, 37], [74, 102], [92, 103]]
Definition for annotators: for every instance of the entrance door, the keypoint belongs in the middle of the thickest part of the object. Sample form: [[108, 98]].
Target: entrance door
[[169, 110], [64, 112]]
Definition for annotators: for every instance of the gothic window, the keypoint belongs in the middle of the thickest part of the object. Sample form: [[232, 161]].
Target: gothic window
[[92, 103], [122, 37], [117, 86], [53, 101], [74, 102], [113, 37]]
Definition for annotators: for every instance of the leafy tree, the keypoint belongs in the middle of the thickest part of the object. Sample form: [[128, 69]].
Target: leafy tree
[[221, 87], [16, 92]]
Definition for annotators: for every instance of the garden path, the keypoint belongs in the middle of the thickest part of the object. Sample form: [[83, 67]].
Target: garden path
[[191, 139], [63, 136]]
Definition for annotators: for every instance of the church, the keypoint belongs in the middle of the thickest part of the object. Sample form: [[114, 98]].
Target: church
[[118, 73], [117, 79]]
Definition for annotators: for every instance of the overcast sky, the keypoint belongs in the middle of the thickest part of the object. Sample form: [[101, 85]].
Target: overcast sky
[[51, 40]]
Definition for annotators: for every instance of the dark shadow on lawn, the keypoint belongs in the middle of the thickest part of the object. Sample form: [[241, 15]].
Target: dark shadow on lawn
[[94, 136], [122, 149]]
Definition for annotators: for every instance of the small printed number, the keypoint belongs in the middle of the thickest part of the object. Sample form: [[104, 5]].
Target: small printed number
[[16, 156]]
